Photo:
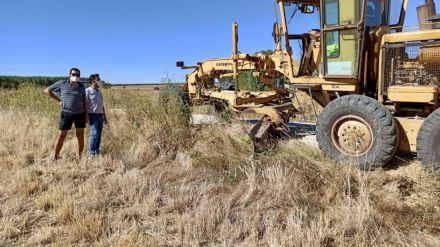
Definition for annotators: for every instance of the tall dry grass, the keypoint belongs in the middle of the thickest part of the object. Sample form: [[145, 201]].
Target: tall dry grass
[[162, 182]]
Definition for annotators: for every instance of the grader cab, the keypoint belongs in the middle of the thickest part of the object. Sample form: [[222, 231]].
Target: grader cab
[[379, 84]]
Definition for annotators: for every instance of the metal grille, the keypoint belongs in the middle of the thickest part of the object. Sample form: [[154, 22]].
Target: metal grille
[[411, 64]]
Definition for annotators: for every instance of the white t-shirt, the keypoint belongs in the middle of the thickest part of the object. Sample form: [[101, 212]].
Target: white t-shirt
[[95, 100]]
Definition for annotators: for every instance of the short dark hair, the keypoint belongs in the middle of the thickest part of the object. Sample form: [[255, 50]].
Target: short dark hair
[[92, 77], [74, 69]]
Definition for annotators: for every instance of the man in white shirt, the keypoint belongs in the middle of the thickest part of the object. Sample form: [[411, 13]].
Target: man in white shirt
[[97, 117]]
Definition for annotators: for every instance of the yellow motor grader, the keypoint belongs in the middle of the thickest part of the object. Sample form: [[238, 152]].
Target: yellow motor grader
[[377, 83]]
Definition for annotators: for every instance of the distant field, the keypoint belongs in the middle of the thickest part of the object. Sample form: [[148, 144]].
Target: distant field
[[157, 86]]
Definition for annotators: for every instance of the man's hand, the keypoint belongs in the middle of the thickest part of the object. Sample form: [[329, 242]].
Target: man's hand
[[60, 103], [53, 96], [105, 120], [87, 119]]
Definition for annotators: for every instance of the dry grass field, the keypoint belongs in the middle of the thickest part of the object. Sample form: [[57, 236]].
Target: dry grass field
[[161, 182]]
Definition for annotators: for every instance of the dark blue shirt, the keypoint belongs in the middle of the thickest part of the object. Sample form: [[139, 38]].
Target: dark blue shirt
[[72, 97]]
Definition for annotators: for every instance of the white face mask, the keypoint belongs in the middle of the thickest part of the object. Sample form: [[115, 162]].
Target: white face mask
[[99, 83], [74, 79]]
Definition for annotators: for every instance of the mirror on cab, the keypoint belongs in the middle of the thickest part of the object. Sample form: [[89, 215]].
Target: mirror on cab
[[180, 64], [307, 9]]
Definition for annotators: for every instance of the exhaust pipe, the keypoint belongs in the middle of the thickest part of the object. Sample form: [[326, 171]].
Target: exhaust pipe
[[424, 12]]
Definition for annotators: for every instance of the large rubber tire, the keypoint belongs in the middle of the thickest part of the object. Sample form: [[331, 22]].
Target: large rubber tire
[[176, 92], [428, 141], [378, 135]]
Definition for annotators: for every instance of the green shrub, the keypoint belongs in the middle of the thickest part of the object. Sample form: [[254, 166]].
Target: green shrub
[[28, 97]]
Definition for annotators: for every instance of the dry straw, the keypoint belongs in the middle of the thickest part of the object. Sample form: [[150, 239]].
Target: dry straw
[[160, 182]]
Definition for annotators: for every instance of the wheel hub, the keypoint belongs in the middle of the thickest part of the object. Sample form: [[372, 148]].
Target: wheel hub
[[352, 135]]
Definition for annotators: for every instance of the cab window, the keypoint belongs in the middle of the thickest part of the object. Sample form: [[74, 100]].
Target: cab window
[[332, 44], [339, 13], [332, 12], [395, 12], [376, 13]]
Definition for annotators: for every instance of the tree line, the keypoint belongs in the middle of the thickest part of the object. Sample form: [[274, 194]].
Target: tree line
[[248, 82], [13, 82]]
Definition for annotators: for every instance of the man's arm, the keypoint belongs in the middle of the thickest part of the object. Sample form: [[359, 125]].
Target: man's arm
[[86, 108], [105, 115], [103, 107], [48, 92]]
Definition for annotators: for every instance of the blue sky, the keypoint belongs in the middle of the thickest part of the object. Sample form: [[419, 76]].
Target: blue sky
[[131, 41]]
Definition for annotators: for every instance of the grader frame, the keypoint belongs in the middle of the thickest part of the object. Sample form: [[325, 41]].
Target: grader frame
[[349, 55]]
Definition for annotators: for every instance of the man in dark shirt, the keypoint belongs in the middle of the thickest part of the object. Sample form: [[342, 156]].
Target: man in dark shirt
[[74, 109]]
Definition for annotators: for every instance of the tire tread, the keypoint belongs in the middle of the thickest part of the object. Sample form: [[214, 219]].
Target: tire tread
[[426, 140], [380, 115]]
